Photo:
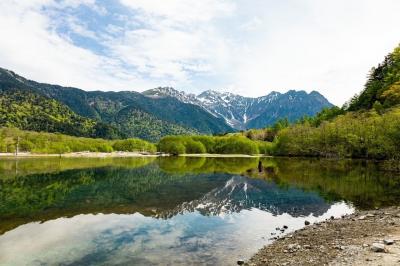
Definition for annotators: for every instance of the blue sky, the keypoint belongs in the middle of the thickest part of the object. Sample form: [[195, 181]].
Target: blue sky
[[249, 47]]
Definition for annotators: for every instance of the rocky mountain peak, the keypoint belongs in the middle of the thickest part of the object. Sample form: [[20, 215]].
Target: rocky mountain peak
[[244, 112]]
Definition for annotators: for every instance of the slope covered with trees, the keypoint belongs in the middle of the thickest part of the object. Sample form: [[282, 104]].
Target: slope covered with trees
[[27, 110], [382, 87], [368, 127], [155, 117]]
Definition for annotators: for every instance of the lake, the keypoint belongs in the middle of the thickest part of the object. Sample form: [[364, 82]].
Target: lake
[[172, 210]]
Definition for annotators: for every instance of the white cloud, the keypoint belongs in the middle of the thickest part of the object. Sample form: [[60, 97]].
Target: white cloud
[[31, 48], [183, 11], [248, 48]]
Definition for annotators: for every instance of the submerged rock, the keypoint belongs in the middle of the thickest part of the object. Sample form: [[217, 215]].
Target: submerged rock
[[306, 222], [240, 261]]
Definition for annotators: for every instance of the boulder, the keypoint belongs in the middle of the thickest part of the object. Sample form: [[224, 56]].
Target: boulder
[[388, 241], [378, 247]]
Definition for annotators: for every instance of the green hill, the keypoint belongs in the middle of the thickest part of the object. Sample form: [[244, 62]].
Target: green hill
[[382, 87], [27, 110]]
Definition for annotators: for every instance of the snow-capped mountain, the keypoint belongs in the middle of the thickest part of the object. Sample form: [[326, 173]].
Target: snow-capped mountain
[[242, 193], [244, 112]]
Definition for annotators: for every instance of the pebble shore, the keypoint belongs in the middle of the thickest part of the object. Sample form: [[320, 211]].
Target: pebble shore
[[362, 238]]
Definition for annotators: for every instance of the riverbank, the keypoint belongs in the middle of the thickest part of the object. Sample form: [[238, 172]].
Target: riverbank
[[362, 238], [84, 154], [125, 154], [218, 155]]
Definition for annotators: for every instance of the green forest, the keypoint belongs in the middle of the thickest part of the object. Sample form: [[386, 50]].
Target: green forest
[[366, 127], [27, 110]]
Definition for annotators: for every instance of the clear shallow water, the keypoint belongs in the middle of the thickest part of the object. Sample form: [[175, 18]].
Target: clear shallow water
[[171, 211]]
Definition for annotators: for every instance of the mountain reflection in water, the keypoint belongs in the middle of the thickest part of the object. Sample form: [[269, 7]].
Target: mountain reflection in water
[[148, 211]]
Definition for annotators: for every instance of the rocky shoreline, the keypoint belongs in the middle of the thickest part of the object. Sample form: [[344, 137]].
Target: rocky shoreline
[[362, 238]]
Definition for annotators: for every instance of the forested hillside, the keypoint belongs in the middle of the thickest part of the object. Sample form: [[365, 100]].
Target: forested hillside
[[382, 87], [27, 110], [369, 127], [131, 113]]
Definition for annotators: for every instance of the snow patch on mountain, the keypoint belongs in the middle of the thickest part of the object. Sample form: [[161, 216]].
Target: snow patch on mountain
[[238, 110]]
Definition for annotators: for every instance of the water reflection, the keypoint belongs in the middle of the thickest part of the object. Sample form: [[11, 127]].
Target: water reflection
[[147, 211]]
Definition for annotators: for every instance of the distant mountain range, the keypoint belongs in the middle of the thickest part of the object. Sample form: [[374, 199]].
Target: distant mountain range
[[244, 112], [30, 105]]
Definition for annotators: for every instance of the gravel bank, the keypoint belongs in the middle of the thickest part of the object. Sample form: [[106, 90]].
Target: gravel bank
[[363, 238]]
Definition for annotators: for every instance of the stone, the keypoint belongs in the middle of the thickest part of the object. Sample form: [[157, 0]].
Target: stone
[[365, 245], [362, 217], [307, 246], [332, 217], [285, 227], [378, 247], [370, 215], [306, 222], [388, 241], [240, 261]]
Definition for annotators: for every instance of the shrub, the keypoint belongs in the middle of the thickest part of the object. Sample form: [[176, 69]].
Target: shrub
[[194, 147], [265, 147], [41, 142], [172, 147], [133, 145], [207, 141], [236, 145]]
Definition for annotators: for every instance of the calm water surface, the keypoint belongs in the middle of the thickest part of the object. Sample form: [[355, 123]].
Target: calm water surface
[[171, 211]]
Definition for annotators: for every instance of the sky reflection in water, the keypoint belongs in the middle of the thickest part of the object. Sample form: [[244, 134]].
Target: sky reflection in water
[[191, 216]]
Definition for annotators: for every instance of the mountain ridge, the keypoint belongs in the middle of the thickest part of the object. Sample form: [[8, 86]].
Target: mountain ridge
[[172, 111], [241, 112], [120, 109]]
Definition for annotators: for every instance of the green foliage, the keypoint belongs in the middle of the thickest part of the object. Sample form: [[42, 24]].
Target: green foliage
[[382, 85], [30, 111], [181, 144], [207, 141], [194, 147], [171, 145], [183, 164], [55, 143], [236, 145], [134, 145], [359, 135], [134, 122], [326, 114], [208, 144], [265, 147]]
